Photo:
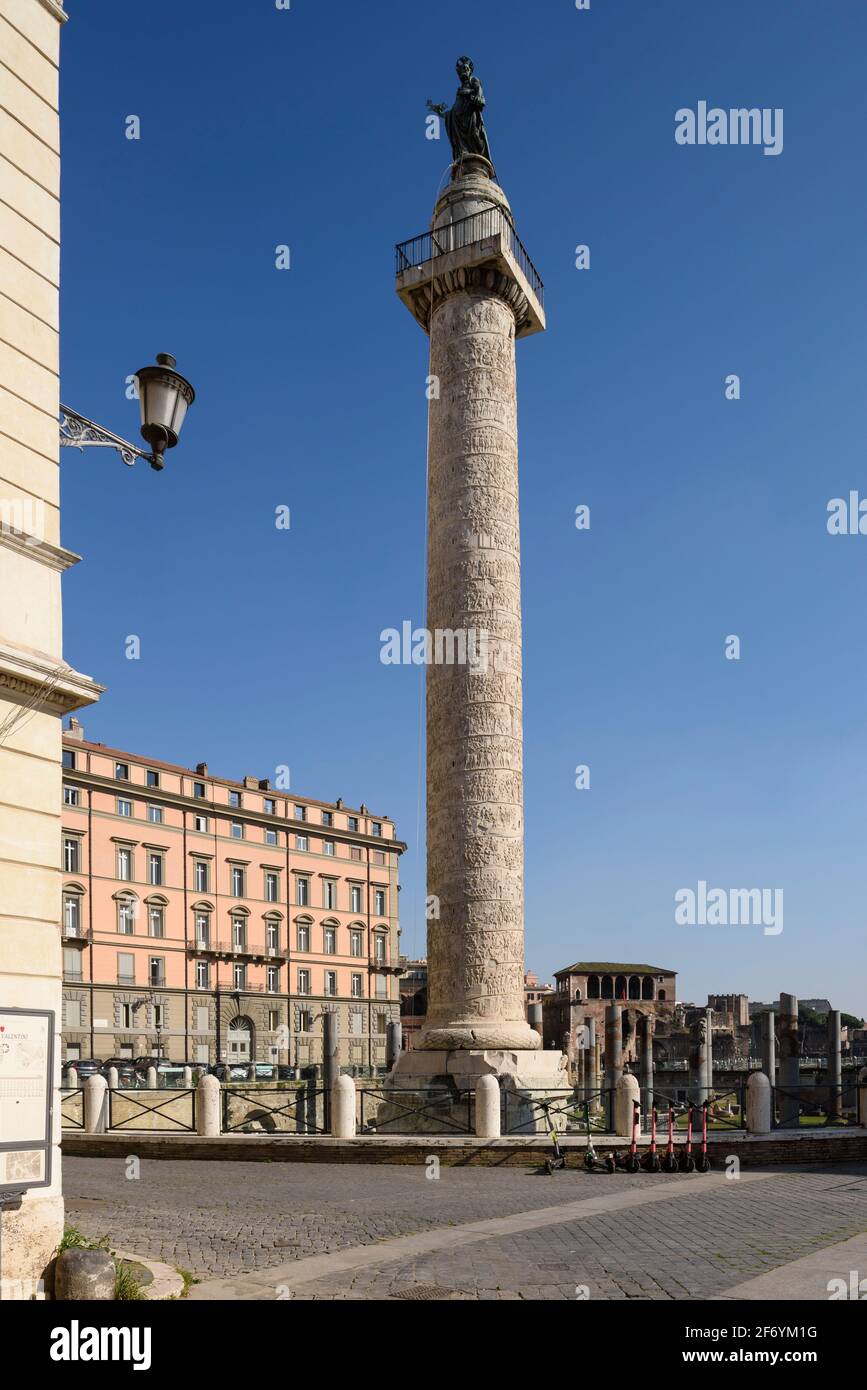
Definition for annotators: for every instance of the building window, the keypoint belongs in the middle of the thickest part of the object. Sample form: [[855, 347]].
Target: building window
[[239, 976], [304, 983], [302, 842], [71, 914], [68, 758], [237, 881], [355, 897], [330, 891], [125, 968], [71, 963], [239, 933], [378, 856], [235, 799], [272, 930], [327, 818], [159, 1015], [203, 974], [272, 888], [382, 987], [201, 876], [155, 814], [356, 987], [199, 790], [352, 822], [121, 772], [270, 837], [273, 1020], [302, 892], [269, 806], [382, 1023], [303, 938], [273, 974], [300, 812], [153, 778], [156, 970], [379, 902], [156, 921], [330, 936], [376, 828], [124, 807], [354, 852], [200, 823], [203, 929], [124, 864], [155, 868], [355, 942], [380, 944], [127, 1019], [126, 910], [305, 1022], [237, 830], [71, 796], [328, 847], [71, 854], [331, 982]]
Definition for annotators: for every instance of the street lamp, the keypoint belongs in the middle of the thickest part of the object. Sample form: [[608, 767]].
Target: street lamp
[[164, 397]]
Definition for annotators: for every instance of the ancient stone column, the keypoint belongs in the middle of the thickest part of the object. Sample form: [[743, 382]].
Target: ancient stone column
[[708, 1061], [769, 1045], [474, 291], [835, 1065], [788, 1103], [645, 1045], [613, 1054], [698, 1060]]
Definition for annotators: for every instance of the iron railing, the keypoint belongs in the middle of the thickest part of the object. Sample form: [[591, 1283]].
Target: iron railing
[[430, 1110], [306, 1108], [569, 1111], [819, 1106], [467, 231], [72, 1108], [185, 1121], [726, 1109]]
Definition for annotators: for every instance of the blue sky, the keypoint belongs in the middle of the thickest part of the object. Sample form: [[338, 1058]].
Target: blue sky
[[260, 647]]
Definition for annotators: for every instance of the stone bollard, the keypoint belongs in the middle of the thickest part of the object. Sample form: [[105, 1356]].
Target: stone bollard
[[758, 1104], [209, 1095], [72, 1079], [626, 1091], [862, 1097], [487, 1108], [84, 1274], [112, 1078], [95, 1105], [188, 1077], [152, 1079], [343, 1108]]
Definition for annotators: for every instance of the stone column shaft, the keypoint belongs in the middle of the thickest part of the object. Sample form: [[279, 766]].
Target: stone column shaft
[[788, 1105], [835, 1064]]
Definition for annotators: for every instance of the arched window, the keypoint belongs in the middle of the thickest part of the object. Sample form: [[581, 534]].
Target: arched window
[[620, 987], [239, 1037], [647, 988], [593, 987], [661, 995], [634, 987], [607, 987], [577, 994]]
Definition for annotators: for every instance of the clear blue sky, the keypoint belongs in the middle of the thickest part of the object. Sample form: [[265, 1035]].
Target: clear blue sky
[[259, 647]]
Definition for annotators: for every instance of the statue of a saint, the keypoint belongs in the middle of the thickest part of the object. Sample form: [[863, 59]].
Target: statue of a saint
[[464, 122]]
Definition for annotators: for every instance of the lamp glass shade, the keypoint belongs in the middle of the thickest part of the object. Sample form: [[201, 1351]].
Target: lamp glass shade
[[164, 396]]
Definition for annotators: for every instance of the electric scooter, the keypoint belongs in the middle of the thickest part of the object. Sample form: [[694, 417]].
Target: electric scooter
[[592, 1162], [630, 1162], [651, 1162], [669, 1163], [702, 1163], [558, 1160], [687, 1162]]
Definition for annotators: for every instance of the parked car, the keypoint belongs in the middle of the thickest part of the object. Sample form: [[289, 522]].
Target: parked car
[[84, 1066]]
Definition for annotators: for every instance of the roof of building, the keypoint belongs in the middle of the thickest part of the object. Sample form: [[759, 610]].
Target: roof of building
[[597, 967]]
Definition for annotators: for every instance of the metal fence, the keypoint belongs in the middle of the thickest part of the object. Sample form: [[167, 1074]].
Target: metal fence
[[163, 1110], [569, 1111], [72, 1108], [819, 1106], [302, 1110], [425, 1110], [726, 1109], [467, 231]]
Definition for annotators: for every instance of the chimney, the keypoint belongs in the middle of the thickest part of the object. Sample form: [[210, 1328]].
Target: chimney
[[264, 784], [202, 769], [75, 729], [251, 783]]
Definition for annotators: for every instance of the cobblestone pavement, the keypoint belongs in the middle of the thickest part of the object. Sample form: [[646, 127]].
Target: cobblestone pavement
[[676, 1239]]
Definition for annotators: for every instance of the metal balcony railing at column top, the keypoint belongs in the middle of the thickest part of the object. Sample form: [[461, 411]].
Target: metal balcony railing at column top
[[467, 231]]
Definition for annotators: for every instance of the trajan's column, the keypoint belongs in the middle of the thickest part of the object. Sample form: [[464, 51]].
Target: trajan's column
[[471, 285]]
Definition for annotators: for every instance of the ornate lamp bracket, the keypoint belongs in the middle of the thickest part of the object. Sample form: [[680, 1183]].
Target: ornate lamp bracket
[[77, 432]]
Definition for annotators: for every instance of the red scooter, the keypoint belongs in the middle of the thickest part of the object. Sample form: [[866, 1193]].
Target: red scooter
[[669, 1163], [651, 1162], [687, 1162], [630, 1162], [702, 1163]]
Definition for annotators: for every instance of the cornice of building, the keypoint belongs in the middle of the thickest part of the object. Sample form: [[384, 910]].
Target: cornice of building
[[54, 7], [44, 683]]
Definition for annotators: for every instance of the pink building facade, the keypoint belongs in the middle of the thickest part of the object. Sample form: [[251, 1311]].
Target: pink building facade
[[208, 920]]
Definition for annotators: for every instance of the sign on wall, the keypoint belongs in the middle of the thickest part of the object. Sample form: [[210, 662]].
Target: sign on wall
[[26, 1092]]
